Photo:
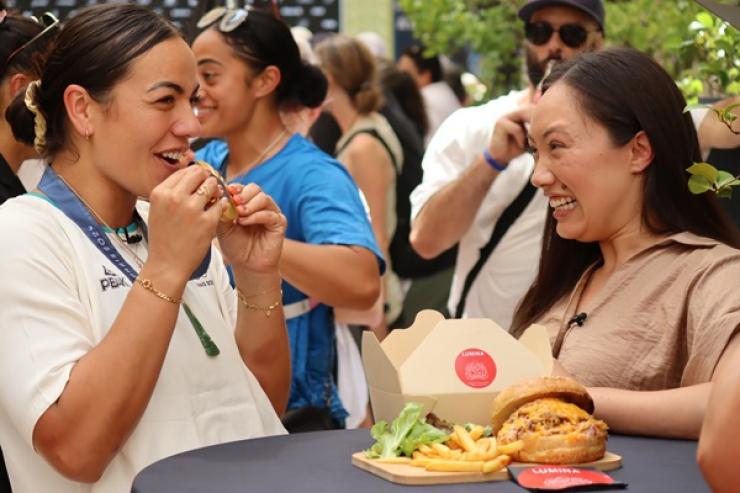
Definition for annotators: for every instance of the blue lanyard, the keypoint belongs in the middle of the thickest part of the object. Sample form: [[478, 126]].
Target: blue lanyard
[[65, 200]]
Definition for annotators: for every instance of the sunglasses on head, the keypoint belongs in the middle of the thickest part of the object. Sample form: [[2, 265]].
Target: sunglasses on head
[[231, 18], [572, 35], [48, 20]]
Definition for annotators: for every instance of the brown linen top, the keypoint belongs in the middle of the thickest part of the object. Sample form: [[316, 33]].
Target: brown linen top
[[661, 321]]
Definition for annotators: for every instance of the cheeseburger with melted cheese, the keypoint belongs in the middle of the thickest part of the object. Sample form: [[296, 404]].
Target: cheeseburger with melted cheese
[[552, 416]]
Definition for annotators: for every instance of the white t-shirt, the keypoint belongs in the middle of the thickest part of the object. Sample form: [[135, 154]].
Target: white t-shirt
[[512, 266], [439, 102], [31, 171], [59, 298]]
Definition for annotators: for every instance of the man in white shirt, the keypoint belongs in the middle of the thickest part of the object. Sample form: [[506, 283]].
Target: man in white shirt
[[439, 98], [464, 193], [471, 176]]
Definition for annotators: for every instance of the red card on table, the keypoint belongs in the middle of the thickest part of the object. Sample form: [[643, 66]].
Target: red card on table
[[562, 478]]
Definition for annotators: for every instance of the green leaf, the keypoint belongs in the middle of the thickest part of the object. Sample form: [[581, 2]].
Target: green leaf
[[724, 179], [699, 184], [705, 19], [388, 441], [704, 169], [422, 434]]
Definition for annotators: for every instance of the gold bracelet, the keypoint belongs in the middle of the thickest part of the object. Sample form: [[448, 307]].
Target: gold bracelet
[[147, 284], [260, 293], [266, 309]]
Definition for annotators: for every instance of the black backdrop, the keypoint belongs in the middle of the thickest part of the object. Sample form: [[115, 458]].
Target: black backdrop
[[316, 15]]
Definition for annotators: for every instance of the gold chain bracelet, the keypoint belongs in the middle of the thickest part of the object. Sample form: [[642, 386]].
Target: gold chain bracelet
[[250, 306], [147, 284]]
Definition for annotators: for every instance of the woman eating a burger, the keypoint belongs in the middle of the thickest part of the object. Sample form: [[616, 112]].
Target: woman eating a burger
[[123, 341], [636, 274]]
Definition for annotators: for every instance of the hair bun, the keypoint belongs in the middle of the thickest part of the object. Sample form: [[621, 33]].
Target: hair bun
[[21, 120], [310, 85]]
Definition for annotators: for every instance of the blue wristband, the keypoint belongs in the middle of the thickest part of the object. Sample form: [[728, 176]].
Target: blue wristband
[[492, 162]]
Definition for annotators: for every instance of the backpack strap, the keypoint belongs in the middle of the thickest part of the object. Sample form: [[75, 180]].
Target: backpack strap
[[510, 214], [376, 134]]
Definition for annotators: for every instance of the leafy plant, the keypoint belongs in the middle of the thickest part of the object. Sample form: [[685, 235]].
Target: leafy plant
[[489, 28], [704, 176], [715, 46], [656, 27], [697, 49]]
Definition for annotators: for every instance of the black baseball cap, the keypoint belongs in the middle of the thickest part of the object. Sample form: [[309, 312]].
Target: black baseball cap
[[594, 8]]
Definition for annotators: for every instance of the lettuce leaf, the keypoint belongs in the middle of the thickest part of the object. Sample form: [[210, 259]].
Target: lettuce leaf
[[406, 433], [422, 434]]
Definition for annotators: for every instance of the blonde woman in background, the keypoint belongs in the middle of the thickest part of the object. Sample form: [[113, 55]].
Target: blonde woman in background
[[368, 147]]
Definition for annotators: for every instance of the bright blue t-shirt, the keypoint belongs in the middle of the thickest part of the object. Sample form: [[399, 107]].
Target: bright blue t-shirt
[[322, 204]]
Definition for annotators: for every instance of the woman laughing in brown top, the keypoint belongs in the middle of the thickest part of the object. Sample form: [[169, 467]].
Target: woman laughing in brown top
[[637, 280]]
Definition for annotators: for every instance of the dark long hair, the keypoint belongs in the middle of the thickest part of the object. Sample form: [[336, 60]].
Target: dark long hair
[[627, 91], [404, 89], [263, 40], [425, 63], [94, 50], [15, 34]]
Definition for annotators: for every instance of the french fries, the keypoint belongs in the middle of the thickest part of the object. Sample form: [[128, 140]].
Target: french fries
[[498, 463], [464, 451], [464, 438], [454, 465], [511, 448]]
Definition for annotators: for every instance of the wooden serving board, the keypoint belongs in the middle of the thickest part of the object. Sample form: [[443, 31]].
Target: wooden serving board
[[405, 474]]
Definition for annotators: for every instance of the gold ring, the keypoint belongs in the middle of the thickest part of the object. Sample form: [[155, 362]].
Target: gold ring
[[203, 190]]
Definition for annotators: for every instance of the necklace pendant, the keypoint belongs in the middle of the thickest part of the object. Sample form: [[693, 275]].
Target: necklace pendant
[[209, 346]]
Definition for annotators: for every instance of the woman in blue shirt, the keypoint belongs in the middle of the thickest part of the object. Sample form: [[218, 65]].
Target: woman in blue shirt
[[250, 71]]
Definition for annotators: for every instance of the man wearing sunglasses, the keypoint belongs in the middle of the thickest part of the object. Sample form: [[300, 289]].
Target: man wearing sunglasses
[[483, 200]]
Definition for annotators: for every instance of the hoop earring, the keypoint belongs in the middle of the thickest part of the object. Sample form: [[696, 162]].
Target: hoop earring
[[88, 134]]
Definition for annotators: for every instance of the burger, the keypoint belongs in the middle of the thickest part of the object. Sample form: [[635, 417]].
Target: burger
[[230, 212], [552, 417]]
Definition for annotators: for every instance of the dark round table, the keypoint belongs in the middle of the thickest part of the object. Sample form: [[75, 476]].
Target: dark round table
[[321, 462]]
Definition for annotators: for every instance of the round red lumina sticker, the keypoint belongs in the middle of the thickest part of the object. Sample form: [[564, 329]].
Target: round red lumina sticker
[[475, 368]]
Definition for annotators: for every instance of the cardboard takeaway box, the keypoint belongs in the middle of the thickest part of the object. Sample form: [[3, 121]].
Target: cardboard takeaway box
[[454, 368]]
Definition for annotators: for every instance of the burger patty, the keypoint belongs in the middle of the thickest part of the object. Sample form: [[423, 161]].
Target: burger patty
[[546, 417]]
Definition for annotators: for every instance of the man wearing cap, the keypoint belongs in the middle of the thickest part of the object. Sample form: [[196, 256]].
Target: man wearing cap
[[472, 195]]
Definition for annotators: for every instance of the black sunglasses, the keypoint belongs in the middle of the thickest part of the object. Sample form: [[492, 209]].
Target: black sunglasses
[[47, 20], [572, 35]]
